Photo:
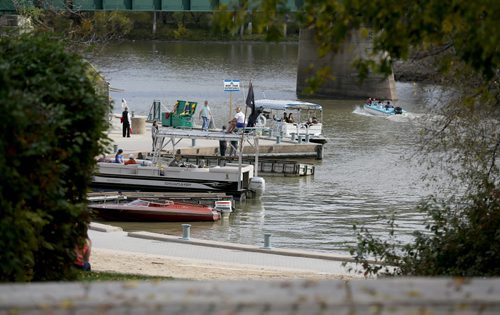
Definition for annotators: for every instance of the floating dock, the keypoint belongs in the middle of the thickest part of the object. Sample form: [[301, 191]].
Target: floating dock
[[267, 167], [184, 142]]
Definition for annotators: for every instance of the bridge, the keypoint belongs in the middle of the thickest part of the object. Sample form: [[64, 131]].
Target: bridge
[[133, 5], [345, 84]]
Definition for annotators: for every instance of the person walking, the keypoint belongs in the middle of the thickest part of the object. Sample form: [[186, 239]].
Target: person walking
[[205, 115], [154, 132], [126, 122]]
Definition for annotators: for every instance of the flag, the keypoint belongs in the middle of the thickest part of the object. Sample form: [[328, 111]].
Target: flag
[[251, 103], [250, 98]]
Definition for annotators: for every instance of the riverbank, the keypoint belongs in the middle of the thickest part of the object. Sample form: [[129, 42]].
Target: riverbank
[[193, 269], [154, 254]]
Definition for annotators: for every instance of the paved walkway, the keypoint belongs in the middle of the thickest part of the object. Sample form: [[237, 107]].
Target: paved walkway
[[108, 237]]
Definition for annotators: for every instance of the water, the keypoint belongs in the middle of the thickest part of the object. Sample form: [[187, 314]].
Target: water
[[363, 174]]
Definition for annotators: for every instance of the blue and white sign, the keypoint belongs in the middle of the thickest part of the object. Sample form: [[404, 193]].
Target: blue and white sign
[[231, 85]]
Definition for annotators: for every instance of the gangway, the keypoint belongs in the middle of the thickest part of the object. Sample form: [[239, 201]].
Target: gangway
[[172, 136]]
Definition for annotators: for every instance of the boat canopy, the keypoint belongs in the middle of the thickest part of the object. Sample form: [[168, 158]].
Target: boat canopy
[[285, 105]]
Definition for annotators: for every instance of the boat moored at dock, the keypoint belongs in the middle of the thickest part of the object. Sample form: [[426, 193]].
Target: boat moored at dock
[[295, 119], [230, 178], [162, 175], [160, 211]]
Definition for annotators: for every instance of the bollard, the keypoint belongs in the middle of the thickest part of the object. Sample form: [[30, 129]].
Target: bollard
[[307, 138], [193, 142], [267, 241], [115, 148], [186, 232], [278, 139]]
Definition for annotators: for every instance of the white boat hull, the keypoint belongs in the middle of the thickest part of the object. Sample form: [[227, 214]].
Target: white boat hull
[[112, 176]]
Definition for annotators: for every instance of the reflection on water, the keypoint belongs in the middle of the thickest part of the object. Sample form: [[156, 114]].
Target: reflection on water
[[361, 177]]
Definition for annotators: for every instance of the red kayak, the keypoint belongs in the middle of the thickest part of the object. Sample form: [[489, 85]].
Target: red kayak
[[164, 211]]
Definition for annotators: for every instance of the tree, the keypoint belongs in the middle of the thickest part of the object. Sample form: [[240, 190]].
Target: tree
[[463, 220], [53, 125]]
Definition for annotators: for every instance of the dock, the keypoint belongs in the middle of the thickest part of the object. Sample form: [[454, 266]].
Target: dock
[[184, 141], [255, 150], [266, 167], [195, 142]]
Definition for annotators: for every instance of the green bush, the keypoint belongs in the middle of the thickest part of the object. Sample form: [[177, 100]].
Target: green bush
[[52, 121]]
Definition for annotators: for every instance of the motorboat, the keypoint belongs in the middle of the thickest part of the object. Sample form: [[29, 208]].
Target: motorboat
[[380, 108], [169, 175], [159, 211], [232, 178], [293, 119]]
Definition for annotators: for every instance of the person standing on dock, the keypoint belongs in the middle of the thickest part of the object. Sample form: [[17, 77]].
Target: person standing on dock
[[126, 122], [240, 118], [154, 132], [223, 144], [233, 144], [205, 115]]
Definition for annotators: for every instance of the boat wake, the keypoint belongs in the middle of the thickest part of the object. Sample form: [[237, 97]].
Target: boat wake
[[405, 117], [360, 111]]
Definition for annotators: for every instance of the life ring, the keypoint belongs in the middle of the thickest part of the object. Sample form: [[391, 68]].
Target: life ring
[[261, 121]]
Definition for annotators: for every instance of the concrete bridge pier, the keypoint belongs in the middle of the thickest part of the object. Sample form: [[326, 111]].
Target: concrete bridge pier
[[346, 83]]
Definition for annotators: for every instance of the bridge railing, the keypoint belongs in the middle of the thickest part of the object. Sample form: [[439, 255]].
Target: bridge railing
[[399, 296], [133, 5]]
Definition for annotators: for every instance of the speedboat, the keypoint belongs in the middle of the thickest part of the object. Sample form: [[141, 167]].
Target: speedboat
[[382, 109], [159, 211]]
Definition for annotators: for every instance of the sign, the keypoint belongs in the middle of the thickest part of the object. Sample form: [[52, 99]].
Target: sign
[[231, 85]]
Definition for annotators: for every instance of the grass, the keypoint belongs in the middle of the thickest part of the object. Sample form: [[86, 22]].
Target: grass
[[113, 276]]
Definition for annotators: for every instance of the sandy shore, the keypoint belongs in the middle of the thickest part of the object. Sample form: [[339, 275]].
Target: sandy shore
[[180, 268]]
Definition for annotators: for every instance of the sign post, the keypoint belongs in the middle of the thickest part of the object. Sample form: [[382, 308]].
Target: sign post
[[231, 86]]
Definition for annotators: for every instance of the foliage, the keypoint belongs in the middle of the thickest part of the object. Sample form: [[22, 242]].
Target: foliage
[[462, 239], [464, 28], [110, 25], [460, 139], [267, 17], [52, 121], [180, 32], [26, 8]]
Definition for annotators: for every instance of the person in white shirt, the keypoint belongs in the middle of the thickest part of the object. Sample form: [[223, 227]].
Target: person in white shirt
[[205, 115], [240, 118]]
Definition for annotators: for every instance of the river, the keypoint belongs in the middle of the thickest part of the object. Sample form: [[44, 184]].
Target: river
[[364, 173]]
